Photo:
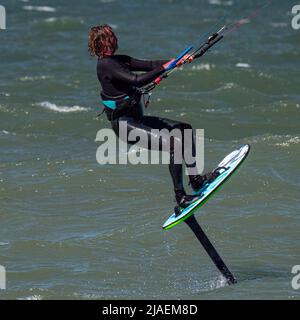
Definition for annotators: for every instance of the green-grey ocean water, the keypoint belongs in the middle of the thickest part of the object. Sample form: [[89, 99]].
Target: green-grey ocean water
[[70, 228]]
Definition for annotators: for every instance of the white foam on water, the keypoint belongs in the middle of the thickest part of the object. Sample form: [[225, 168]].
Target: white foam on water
[[39, 8], [5, 94], [209, 110], [203, 66], [198, 286], [287, 143], [276, 140], [243, 65], [64, 109], [7, 132], [220, 3], [217, 283], [228, 86], [63, 20], [264, 75], [33, 297], [29, 78], [51, 19]]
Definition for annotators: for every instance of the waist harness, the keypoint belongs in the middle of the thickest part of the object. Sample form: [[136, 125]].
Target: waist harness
[[116, 106]]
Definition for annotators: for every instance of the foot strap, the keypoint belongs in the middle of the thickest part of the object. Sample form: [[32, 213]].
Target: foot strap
[[211, 176]]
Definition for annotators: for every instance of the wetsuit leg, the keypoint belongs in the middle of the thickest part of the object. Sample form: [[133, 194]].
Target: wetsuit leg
[[189, 147], [163, 139]]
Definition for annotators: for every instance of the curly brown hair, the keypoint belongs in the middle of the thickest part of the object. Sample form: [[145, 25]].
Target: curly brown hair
[[102, 41]]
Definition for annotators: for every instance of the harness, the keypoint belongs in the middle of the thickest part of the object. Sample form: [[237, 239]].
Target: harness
[[117, 104], [114, 103]]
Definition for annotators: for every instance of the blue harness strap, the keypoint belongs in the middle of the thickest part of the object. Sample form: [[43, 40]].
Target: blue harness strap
[[112, 104], [109, 104]]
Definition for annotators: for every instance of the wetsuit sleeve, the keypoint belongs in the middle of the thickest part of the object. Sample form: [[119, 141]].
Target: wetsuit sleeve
[[121, 75], [145, 65]]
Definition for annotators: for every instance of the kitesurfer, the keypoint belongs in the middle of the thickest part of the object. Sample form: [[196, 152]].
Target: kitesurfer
[[121, 97]]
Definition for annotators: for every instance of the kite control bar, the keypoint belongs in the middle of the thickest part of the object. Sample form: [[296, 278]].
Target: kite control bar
[[200, 51], [211, 41], [173, 64], [170, 69]]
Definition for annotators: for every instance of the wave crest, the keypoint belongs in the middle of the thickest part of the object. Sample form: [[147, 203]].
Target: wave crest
[[39, 8], [64, 109]]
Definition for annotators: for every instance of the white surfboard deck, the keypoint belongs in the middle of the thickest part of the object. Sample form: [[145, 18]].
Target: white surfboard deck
[[231, 162]]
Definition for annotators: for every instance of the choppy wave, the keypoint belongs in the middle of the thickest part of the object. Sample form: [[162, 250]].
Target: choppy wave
[[30, 78], [288, 142], [51, 19], [5, 109], [64, 109], [243, 65], [277, 140], [7, 132], [39, 8], [203, 66], [228, 86], [4, 94], [4, 243], [34, 297], [64, 21], [220, 3]]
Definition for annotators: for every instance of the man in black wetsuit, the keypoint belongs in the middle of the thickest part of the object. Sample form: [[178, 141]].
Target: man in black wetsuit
[[122, 101]]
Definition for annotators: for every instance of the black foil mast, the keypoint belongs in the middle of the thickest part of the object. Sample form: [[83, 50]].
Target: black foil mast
[[209, 248]]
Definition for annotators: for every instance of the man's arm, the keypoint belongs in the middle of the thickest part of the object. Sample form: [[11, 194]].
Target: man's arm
[[137, 80], [145, 65]]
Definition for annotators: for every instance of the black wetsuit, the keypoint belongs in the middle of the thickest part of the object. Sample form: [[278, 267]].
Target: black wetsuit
[[118, 81]]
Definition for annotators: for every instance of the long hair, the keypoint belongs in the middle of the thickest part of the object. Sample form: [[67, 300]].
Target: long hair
[[102, 41]]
